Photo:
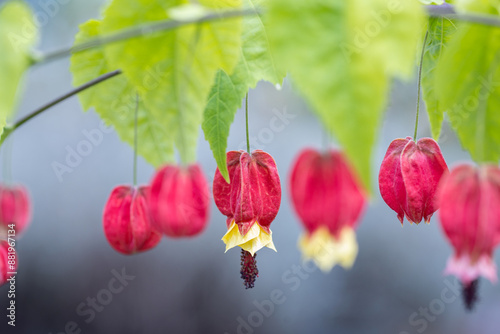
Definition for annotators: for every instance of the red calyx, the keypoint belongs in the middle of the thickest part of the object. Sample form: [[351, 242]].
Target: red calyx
[[8, 261], [324, 191], [254, 194], [180, 200], [15, 208], [409, 178], [470, 218], [127, 221]]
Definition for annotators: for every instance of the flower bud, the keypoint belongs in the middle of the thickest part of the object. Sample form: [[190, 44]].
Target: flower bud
[[127, 220], [409, 177], [180, 200], [329, 203]]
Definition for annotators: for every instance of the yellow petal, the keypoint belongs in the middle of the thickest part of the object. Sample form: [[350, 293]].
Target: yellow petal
[[326, 251], [255, 239]]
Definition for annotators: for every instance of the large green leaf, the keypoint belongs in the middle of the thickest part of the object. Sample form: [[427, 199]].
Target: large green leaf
[[257, 62], [439, 31], [468, 86], [174, 71], [258, 57], [115, 101], [18, 34], [389, 30], [341, 55], [491, 7]]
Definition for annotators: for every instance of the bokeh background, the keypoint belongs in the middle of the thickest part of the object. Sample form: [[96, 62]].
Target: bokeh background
[[190, 286]]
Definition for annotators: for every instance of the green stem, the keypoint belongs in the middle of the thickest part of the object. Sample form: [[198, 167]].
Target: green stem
[[246, 121], [419, 83], [135, 137], [450, 13], [142, 30], [166, 25], [8, 130]]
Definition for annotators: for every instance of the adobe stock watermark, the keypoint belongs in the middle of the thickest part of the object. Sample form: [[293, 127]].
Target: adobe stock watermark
[[460, 113], [87, 310], [122, 108], [266, 135], [76, 154], [48, 10], [292, 279], [421, 318], [363, 36]]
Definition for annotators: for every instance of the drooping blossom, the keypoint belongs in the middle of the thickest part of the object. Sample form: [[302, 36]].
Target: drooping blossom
[[180, 200], [329, 203], [127, 220], [409, 177], [250, 201], [15, 209], [470, 218]]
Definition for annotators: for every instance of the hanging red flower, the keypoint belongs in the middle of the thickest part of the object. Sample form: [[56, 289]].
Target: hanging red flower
[[8, 261], [409, 177], [329, 202], [251, 202], [15, 208], [127, 220], [470, 218], [180, 200]]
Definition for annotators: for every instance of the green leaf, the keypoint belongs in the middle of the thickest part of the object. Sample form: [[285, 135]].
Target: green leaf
[[258, 57], [341, 55], [174, 70], [468, 86], [386, 29], [491, 7], [439, 33], [18, 34], [223, 102], [257, 62], [115, 101]]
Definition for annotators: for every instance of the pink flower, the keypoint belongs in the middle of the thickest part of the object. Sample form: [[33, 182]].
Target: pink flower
[[127, 220], [409, 177], [8, 262], [329, 202], [180, 200], [15, 208]]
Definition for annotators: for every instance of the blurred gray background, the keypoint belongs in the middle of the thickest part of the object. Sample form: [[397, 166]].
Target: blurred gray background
[[190, 286]]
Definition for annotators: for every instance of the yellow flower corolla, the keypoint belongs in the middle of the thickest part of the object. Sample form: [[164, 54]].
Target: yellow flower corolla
[[326, 251], [255, 239]]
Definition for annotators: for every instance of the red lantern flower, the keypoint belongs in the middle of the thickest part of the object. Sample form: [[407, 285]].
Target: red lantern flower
[[470, 217], [127, 220], [329, 202], [180, 200], [409, 177], [8, 261], [251, 202], [15, 208]]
